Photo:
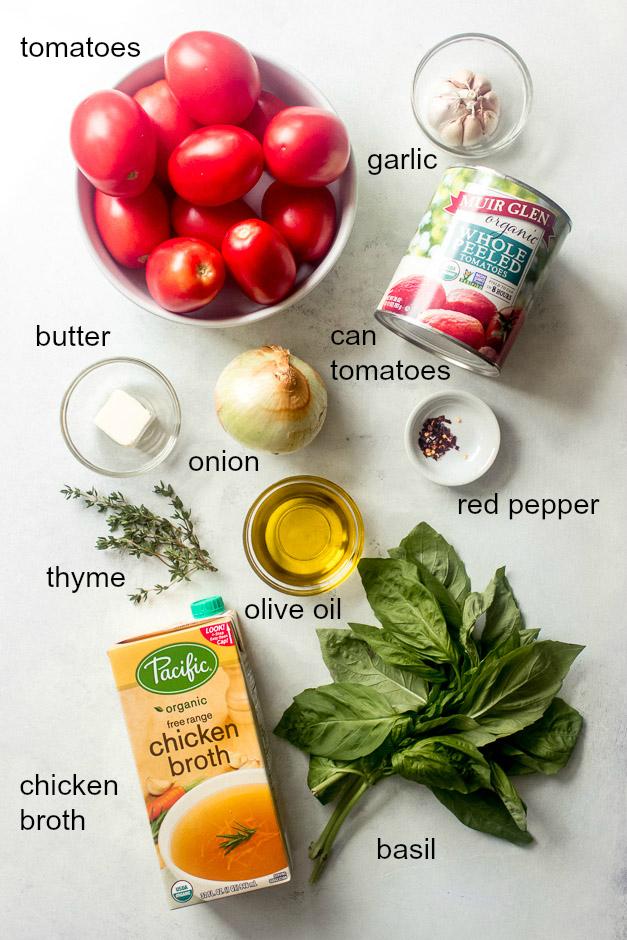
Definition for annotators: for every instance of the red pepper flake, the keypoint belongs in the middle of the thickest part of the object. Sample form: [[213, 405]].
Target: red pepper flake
[[435, 438]]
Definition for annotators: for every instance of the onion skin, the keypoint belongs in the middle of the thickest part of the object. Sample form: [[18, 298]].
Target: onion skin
[[269, 400]]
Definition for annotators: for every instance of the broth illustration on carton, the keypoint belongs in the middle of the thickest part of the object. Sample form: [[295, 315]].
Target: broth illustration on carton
[[191, 710]]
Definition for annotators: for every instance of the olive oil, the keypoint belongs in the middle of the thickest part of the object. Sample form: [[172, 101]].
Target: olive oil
[[305, 534]]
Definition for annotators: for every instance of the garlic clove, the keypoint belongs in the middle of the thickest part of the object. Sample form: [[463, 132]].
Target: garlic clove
[[461, 78], [239, 761], [481, 84], [490, 102], [453, 133], [157, 787], [489, 120], [473, 130], [444, 110], [236, 760], [446, 90]]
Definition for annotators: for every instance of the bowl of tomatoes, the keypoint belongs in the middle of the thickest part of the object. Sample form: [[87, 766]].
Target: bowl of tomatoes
[[219, 223]]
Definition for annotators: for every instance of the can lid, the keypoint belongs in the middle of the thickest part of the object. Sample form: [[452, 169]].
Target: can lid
[[207, 607], [439, 344]]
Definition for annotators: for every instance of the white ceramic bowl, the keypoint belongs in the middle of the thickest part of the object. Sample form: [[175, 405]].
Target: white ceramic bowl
[[174, 815], [477, 432], [231, 307]]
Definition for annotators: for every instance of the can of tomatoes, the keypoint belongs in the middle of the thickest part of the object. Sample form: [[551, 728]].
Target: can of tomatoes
[[474, 267]]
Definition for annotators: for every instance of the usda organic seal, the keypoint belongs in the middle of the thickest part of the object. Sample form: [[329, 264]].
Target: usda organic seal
[[182, 891]]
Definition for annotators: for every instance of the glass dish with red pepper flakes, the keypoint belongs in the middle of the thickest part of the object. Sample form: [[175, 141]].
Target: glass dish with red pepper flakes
[[435, 438]]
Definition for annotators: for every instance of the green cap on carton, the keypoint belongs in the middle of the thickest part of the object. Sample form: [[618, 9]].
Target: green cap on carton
[[207, 607]]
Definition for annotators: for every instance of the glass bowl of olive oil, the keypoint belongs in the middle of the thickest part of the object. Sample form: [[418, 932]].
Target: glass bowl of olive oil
[[303, 535]]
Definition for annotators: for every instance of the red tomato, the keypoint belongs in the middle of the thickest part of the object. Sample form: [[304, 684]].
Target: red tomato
[[170, 122], [462, 326], [306, 147], [260, 260], [210, 223], [502, 325], [184, 274], [215, 165], [213, 77], [305, 218], [412, 295], [131, 227], [472, 303], [114, 144], [268, 105]]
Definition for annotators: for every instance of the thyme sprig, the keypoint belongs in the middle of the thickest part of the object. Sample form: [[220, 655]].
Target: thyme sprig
[[172, 540], [233, 839]]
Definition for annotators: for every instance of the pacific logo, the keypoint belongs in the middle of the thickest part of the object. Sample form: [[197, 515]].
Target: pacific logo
[[179, 667]]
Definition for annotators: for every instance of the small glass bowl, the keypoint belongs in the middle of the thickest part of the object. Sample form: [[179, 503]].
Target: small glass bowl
[[271, 509], [86, 396], [491, 57]]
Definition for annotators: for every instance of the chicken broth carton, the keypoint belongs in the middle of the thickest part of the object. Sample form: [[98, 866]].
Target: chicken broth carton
[[191, 711]]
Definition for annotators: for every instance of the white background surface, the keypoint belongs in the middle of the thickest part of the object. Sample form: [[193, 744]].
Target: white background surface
[[560, 406]]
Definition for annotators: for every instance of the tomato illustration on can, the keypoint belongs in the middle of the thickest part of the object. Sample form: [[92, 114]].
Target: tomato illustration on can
[[474, 267]]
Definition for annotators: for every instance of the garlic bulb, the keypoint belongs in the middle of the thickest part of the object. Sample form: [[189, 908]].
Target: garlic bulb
[[464, 109]]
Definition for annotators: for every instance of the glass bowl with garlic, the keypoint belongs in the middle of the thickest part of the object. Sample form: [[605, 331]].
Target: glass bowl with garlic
[[472, 94]]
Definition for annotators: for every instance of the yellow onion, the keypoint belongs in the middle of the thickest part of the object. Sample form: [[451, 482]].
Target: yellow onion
[[270, 400]]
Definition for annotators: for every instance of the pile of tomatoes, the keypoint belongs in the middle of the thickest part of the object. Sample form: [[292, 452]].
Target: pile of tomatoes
[[179, 156]]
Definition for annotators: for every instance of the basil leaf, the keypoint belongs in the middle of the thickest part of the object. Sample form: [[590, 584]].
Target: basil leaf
[[343, 720], [475, 604], [510, 693], [563, 655], [449, 762], [406, 608], [448, 604], [425, 546], [466, 728], [545, 746], [503, 617], [327, 777], [349, 659], [507, 646], [394, 653], [509, 796], [528, 636], [483, 811]]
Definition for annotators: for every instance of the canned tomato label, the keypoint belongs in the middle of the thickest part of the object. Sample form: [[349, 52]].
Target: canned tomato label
[[474, 267]]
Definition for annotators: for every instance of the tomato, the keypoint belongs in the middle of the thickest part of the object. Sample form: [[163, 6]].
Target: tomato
[[502, 325], [184, 274], [305, 218], [462, 326], [215, 165], [131, 227], [489, 352], [260, 260], [215, 79], [267, 106], [113, 142], [306, 147], [412, 295], [472, 303], [210, 223], [170, 122]]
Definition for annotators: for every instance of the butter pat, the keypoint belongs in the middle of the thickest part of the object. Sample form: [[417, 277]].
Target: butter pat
[[123, 418]]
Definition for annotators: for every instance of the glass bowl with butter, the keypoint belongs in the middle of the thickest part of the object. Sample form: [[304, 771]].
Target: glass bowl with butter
[[120, 417]]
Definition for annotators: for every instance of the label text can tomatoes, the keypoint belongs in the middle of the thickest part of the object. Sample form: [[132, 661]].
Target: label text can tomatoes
[[474, 267]]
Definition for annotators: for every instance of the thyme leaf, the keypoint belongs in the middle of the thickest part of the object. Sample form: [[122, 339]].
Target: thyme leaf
[[138, 531]]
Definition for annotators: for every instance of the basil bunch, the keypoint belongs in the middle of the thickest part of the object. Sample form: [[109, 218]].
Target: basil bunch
[[424, 697]]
